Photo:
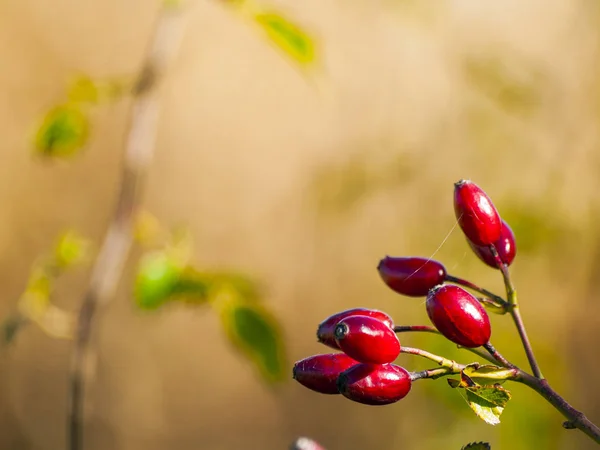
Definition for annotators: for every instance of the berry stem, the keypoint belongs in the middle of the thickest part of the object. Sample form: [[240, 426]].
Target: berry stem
[[496, 298], [511, 295], [431, 374], [428, 329], [498, 356], [576, 419], [453, 366]]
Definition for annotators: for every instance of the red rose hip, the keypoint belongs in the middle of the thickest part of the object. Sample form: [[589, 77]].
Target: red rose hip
[[476, 214], [505, 246], [374, 384], [458, 316], [367, 340], [320, 372], [326, 329], [412, 276]]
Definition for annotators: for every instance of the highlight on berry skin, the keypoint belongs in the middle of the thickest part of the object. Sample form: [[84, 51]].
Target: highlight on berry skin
[[505, 246], [411, 276], [375, 384], [325, 330], [367, 340], [476, 214], [320, 372], [458, 315]]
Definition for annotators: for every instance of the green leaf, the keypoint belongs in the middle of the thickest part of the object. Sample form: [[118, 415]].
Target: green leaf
[[64, 131], [477, 446], [156, 280], [255, 332], [488, 402], [287, 36]]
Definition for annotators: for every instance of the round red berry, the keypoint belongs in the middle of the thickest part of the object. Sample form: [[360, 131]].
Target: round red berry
[[320, 372], [476, 214], [412, 276], [375, 384], [459, 316], [505, 246], [326, 329], [367, 340]]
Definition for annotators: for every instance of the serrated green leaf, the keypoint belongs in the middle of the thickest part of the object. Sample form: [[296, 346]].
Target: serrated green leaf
[[83, 90], [63, 132], [287, 36], [488, 402], [256, 333], [477, 446]]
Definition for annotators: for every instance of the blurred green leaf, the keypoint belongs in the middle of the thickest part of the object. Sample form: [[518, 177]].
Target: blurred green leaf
[[488, 402], [287, 36], [156, 280], [11, 326], [70, 249], [63, 132], [477, 446], [255, 332], [83, 90]]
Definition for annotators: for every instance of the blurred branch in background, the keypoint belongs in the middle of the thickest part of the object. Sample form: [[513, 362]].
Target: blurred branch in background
[[139, 149]]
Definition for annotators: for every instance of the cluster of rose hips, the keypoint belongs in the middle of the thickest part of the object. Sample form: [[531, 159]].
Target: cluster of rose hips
[[364, 372]]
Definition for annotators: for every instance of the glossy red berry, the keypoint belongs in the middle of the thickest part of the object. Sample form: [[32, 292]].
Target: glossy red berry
[[476, 214], [320, 372], [412, 276], [374, 384], [458, 316], [367, 340], [506, 247], [326, 329]]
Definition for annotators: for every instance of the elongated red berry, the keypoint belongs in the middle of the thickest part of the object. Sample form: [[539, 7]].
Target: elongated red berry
[[476, 214], [374, 384], [458, 316], [320, 372], [412, 276], [326, 329], [506, 247], [367, 340]]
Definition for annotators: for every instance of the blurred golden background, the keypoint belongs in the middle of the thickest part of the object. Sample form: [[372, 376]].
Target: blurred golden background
[[305, 182]]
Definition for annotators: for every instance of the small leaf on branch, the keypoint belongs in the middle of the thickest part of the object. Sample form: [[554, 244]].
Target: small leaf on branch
[[63, 132], [70, 249], [481, 374], [255, 332], [287, 36], [488, 402], [83, 90], [156, 280], [477, 446]]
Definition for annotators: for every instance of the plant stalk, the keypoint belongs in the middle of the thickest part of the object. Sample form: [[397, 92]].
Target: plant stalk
[[113, 254]]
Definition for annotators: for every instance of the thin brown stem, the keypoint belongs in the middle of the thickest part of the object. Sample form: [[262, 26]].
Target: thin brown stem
[[575, 418], [511, 294], [139, 151], [498, 356], [466, 283]]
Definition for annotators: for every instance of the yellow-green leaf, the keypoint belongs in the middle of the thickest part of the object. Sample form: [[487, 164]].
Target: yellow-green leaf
[[63, 132], [70, 249], [255, 332], [289, 37], [482, 374], [83, 90]]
